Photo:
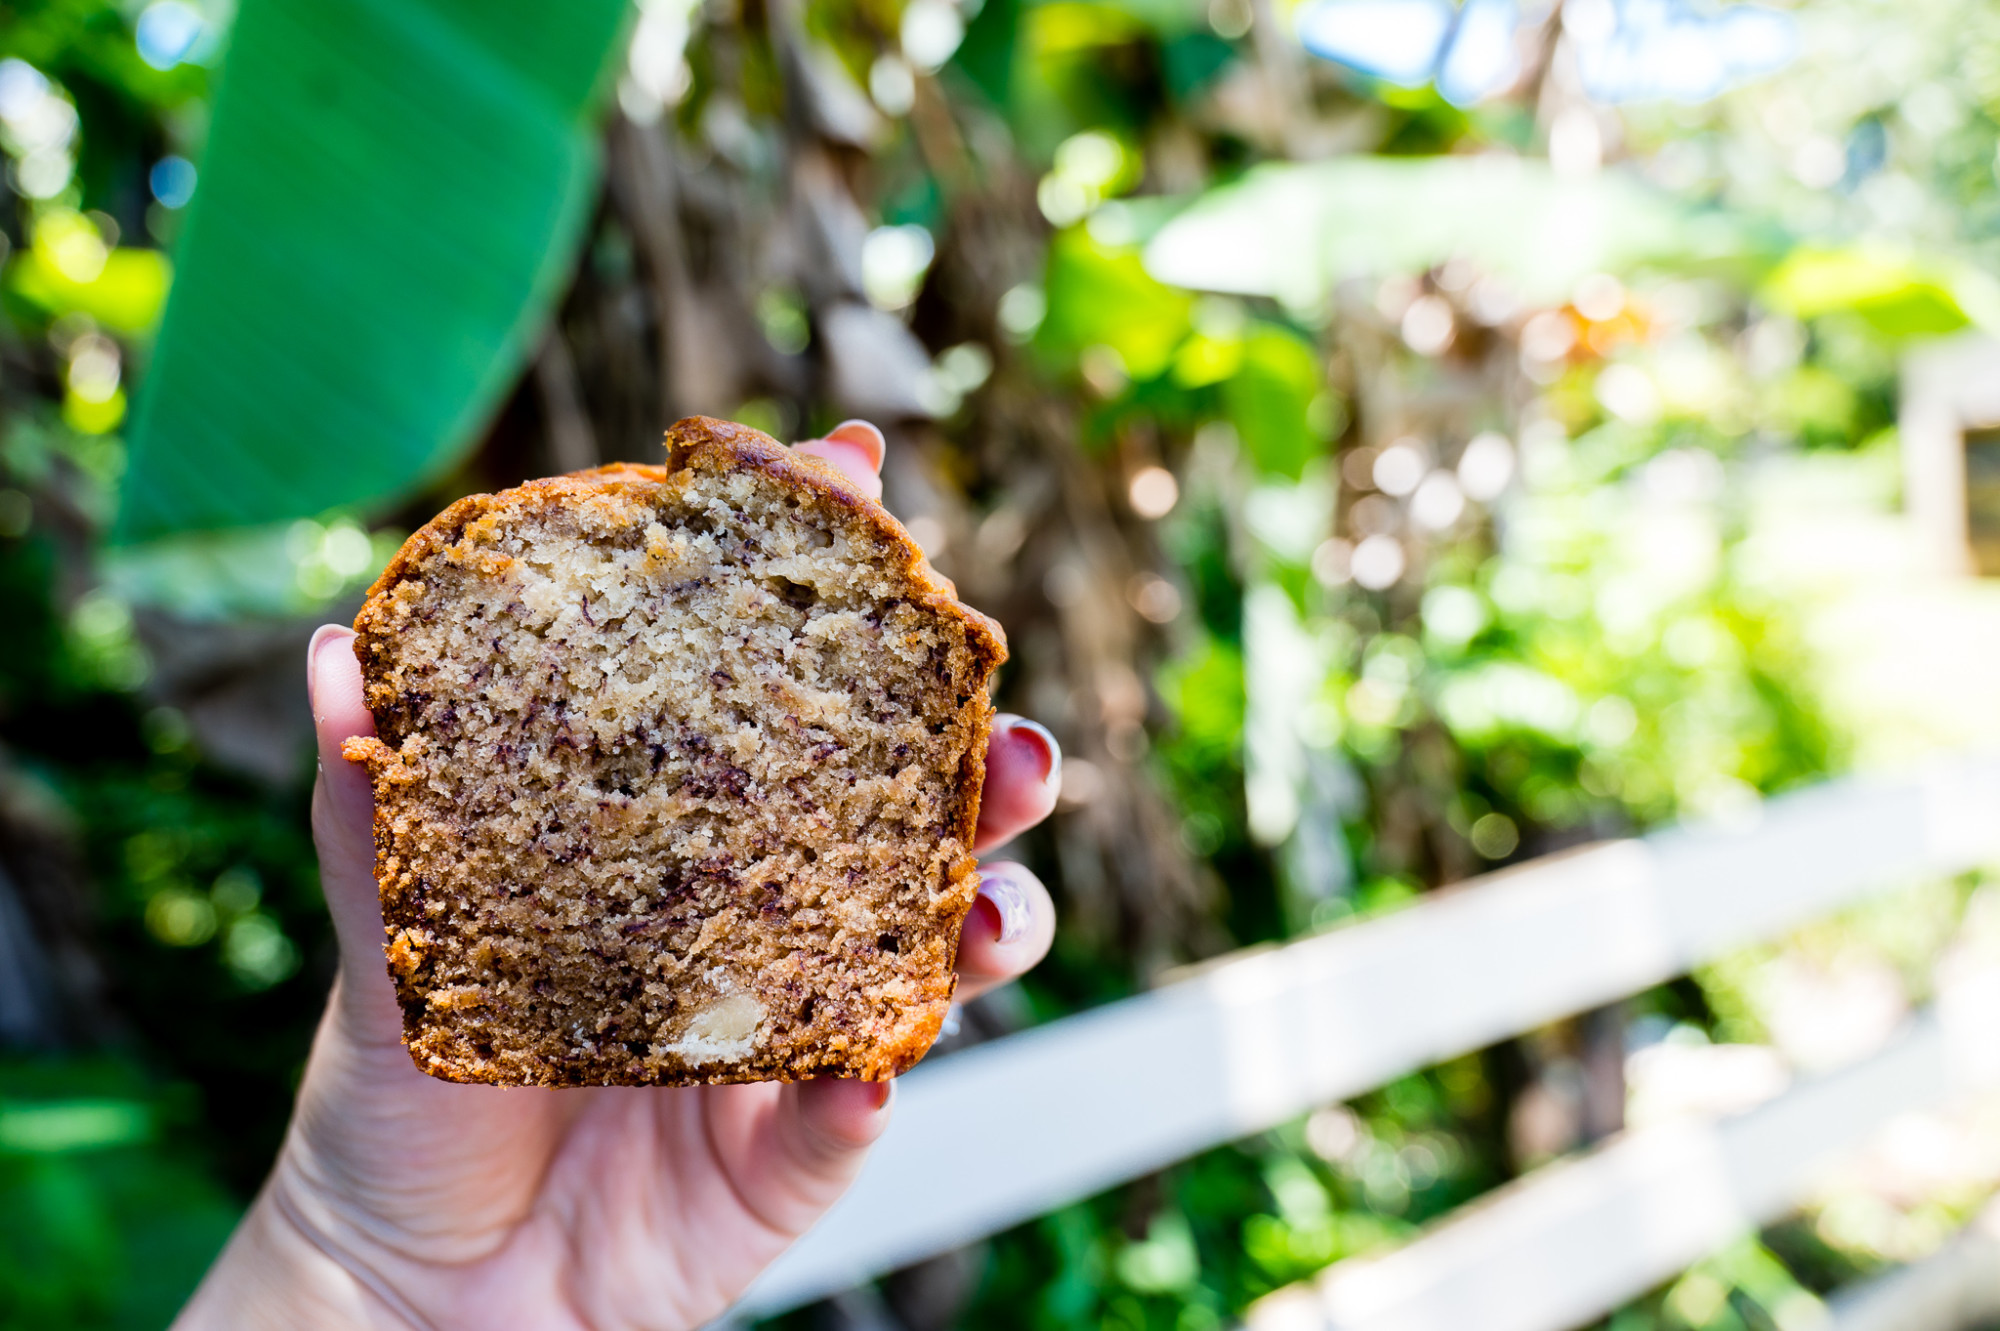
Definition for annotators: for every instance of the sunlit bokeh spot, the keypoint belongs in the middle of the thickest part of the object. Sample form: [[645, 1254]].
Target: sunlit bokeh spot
[[172, 181], [1427, 325], [1399, 469], [1378, 562], [1333, 562], [1153, 492], [1155, 598], [1486, 466], [892, 84], [180, 918], [1021, 311], [1495, 836], [894, 260], [1438, 501], [166, 32], [931, 30]]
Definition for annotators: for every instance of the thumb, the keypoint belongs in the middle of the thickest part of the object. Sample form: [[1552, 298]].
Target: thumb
[[790, 1151], [343, 816]]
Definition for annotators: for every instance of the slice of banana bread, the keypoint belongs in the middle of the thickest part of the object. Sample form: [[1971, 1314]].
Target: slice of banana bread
[[676, 773]]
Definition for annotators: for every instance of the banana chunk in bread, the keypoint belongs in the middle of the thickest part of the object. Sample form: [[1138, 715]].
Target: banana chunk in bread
[[676, 771]]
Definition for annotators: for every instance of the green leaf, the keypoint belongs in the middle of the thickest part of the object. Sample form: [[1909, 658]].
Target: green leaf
[[1269, 400], [1064, 26], [1101, 295], [392, 194], [987, 54], [1192, 61], [1897, 295], [1293, 231], [1204, 688]]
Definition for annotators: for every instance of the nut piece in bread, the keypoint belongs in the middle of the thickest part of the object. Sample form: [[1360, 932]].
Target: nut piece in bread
[[676, 772]]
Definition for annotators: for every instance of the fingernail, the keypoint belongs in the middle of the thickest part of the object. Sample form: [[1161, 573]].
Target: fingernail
[[322, 635], [1010, 902], [883, 1090], [864, 435], [1038, 734]]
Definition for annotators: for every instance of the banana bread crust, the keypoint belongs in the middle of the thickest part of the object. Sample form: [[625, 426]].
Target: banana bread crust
[[677, 770]]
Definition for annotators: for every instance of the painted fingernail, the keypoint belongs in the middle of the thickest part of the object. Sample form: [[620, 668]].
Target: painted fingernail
[[1038, 734], [1010, 902]]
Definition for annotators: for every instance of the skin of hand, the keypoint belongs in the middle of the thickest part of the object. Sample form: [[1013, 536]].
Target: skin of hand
[[403, 1201]]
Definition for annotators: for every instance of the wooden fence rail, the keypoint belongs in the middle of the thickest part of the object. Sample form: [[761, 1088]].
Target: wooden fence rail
[[1065, 1110]]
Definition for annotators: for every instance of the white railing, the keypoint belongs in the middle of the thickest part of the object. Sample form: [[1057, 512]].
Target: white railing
[[1002, 1132], [1954, 1289], [1572, 1241]]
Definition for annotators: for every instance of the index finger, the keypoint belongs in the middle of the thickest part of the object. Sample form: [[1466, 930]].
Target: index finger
[[1023, 778]]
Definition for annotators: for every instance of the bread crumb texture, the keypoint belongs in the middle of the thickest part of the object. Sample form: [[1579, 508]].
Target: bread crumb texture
[[676, 774]]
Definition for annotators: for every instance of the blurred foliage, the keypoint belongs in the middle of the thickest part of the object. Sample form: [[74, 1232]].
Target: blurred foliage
[[109, 1218], [124, 1170], [312, 308], [1424, 463]]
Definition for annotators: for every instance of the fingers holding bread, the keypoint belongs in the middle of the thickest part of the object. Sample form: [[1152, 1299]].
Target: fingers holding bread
[[343, 815], [857, 448], [1008, 930], [614, 847], [1023, 778]]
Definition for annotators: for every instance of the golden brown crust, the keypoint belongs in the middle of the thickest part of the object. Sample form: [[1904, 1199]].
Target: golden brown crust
[[701, 452], [702, 442]]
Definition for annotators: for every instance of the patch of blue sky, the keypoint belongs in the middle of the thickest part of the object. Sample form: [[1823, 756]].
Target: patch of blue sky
[[1626, 50]]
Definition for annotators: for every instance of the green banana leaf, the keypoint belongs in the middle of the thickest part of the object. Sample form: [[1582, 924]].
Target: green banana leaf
[[1293, 231], [392, 194]]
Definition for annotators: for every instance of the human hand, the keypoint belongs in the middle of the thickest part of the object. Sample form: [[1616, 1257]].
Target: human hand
[[402, 1201]]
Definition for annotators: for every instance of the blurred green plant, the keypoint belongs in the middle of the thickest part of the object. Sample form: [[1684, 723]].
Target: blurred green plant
[[321, 348], [110, 1216]]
